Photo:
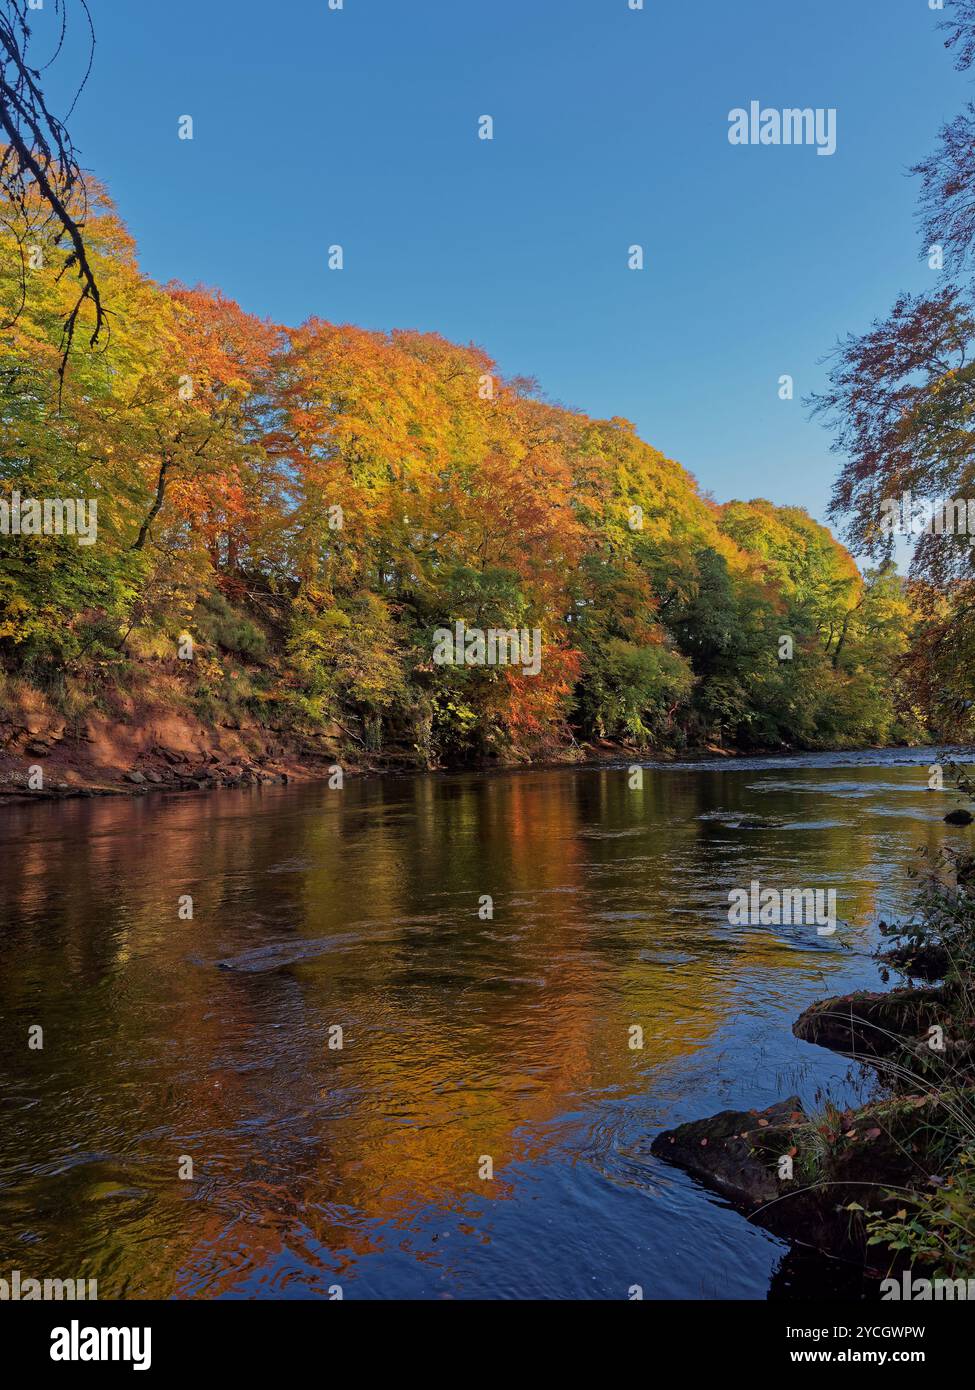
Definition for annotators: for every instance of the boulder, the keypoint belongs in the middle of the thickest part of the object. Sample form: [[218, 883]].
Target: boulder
[[841, 1165], [872, 1024], [721, 1150]]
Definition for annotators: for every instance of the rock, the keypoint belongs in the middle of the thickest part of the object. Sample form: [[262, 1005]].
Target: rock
[[136, 777], [719, 1150], [869, 1023], [836, 1158], [924, 962], [960, 817], [262, 959], [153, 777]]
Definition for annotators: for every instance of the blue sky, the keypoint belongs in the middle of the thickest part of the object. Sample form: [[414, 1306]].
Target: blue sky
[[359, 127]]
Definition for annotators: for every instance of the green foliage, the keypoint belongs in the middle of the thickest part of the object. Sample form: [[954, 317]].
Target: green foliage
[[632, 691], [226, 628], [935, 1228]]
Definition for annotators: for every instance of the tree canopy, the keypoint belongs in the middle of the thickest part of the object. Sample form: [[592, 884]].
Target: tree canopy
[[313, 504]]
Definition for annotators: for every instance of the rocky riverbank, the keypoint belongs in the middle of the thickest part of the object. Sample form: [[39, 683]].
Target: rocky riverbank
[[149, 745], [45, 758], [817, 1178]]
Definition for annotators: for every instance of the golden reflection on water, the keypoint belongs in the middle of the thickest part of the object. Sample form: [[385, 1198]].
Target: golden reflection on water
[[463, 1038]]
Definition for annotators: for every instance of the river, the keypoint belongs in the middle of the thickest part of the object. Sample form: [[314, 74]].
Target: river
[[302, 1089]]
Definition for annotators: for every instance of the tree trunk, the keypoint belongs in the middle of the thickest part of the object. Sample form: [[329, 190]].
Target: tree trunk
[[156, 506]]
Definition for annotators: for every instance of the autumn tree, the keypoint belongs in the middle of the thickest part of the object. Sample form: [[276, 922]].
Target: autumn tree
[[900, 403]]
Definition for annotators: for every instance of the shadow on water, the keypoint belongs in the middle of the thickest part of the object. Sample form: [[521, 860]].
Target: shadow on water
[[804, 1275]]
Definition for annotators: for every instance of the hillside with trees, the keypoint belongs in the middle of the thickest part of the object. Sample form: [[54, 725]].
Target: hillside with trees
[[286, 516]]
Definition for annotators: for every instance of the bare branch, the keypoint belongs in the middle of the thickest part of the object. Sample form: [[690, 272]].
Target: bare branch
[[39, 159]]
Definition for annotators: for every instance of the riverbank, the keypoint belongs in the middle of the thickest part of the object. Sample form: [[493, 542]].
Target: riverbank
[[46, 758], [886, 1185], [149, 746], [112, 760]]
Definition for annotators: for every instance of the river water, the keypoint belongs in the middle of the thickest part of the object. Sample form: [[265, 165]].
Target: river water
[[192, 1128]]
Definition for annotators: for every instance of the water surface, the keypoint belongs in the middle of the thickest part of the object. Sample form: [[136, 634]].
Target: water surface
[[464, 1037]]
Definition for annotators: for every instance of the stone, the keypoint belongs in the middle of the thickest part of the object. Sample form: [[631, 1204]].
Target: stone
[[870, 1023]]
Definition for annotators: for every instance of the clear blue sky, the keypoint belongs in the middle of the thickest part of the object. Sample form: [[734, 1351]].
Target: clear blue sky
[[360, 127]]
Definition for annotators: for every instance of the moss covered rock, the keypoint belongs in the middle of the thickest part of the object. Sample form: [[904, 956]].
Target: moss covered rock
[[873, 1024]]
